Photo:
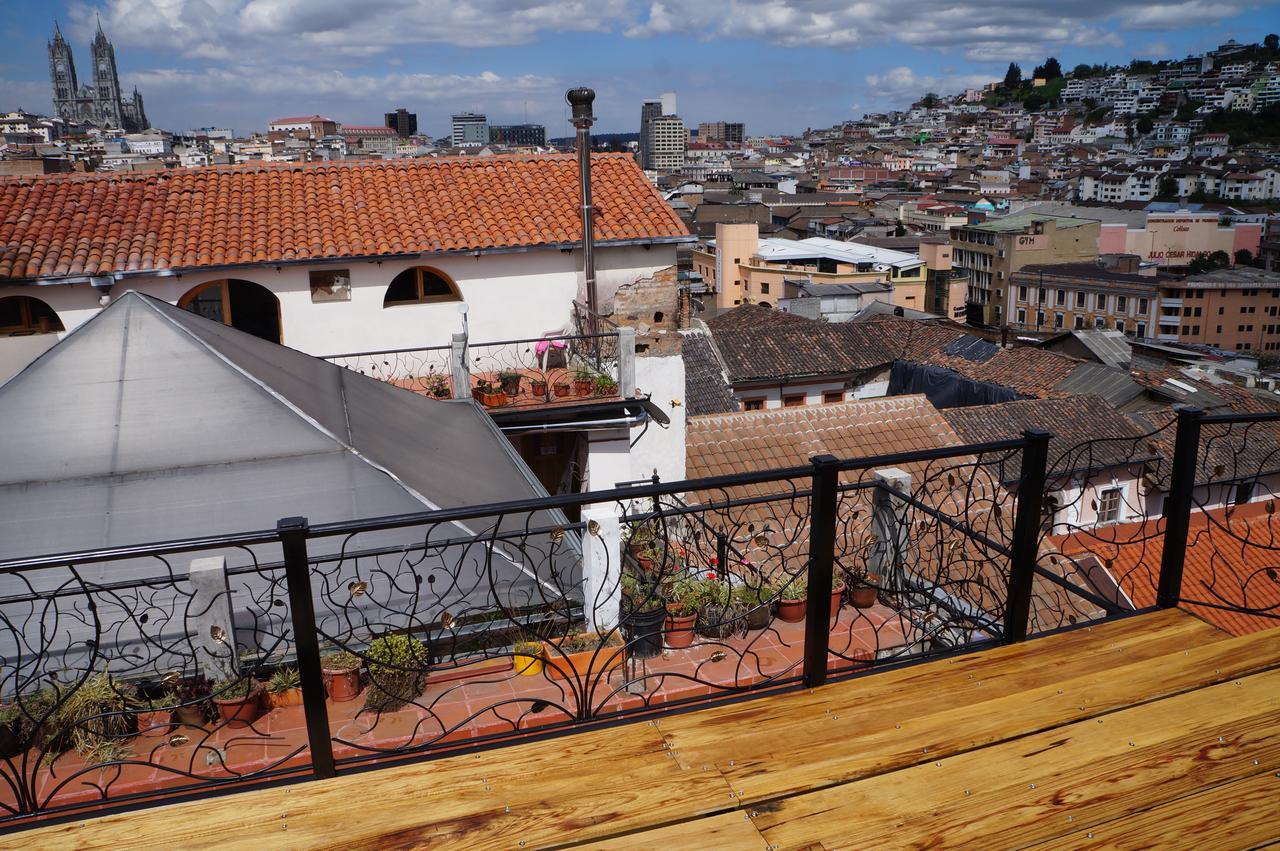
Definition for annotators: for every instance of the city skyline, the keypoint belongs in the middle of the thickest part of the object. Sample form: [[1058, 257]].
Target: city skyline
[[240, 64]]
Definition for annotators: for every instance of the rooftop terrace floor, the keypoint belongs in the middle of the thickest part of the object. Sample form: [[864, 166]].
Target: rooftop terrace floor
[[1155, 730]]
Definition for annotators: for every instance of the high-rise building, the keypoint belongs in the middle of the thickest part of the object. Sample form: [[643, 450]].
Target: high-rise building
[[404, 122], [649, 110], [722, 131], [470, 130], [101, 103], [668, 103], [668, 143], [518, 135]]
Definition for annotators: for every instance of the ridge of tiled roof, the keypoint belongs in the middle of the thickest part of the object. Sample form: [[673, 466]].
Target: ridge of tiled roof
[[706, 389], [1026, 370], [76, 225]]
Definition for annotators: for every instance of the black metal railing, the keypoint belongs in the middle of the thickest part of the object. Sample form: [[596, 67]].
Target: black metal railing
[[305, 650]]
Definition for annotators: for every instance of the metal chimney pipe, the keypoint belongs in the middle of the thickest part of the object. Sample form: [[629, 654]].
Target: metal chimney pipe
[[580, 99]]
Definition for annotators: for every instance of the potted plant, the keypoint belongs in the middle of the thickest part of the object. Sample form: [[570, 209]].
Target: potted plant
[[756, 595], [643, 612], [528, 657], [583, 655], [155, 709], [538, 386], [582, 379], [604, 386], [560, 389], [837, 594], [284, 688], [489, 394], [510, 381], [239, 700], [341, 673], [682, 612], [436, 385], [864, 591], [397, 672], [193, 707], [792, 598]]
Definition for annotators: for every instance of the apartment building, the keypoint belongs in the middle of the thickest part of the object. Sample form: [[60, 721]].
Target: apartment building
[[668, 141], [469, 130], [1234, 309], [990, 252], [1079, 296], [742, 268]]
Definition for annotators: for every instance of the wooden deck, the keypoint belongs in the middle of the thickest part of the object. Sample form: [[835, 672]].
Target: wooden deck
[[1153, 731]]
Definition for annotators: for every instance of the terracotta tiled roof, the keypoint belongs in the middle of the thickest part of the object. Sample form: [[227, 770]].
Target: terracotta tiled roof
[[1229, 452], [1087, 433], [1028, 371], [265, 213], [1232, 559], [706, 391]]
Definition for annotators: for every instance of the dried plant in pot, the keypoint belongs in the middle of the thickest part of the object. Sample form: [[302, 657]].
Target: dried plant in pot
[[284, 688], [527, 654], [722, 620], [584, 655], [837, 594], [397, 672], [341, 673], [239, 700], [24, 722], [792, 599], [95, 717]]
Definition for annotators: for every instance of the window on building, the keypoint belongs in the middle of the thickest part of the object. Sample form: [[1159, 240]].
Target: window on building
[[1022, 293], [1196, 312], [330, 285], [1109, 505], [1141, 330], [1057, 320], [1040, 295], [1122, 303], [1142, 306], [21, 315], [753, 404], [764, 288], [1219, 331], [1120, 325], [1099, 322], [795, 400], [1079, 298], [1102, 301], [1186, 311], [420, 285], [1221, 310], [831, 396], [1062, 298], [1079, 322], [1022, 316]]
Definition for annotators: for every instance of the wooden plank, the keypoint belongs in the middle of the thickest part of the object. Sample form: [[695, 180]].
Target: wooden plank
[[574, 788], [945, 712], [1241, 814], [1043, 786], [731, 830]]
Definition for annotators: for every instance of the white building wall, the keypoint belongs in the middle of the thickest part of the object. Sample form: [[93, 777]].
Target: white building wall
[[509, 296], [655, 448]]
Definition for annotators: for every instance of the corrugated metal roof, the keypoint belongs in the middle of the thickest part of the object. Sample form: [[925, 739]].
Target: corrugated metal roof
[[1111, 383], [972, 348]]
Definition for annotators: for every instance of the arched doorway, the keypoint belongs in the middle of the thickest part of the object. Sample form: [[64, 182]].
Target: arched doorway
[[244, 305], [23, 315]]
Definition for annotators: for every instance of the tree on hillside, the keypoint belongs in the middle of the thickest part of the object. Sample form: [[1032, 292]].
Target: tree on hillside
[[1145, 125], [1034, 102], [1271, 42], [1167, 189], [930, 101], [1052, 70], [1082, 71], [1013, 77]]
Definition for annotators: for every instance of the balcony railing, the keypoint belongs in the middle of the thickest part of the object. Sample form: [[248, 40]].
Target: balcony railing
[[183, 668], [553, 369]]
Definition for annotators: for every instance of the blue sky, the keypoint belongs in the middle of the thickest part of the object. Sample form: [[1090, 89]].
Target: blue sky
[[778, 65]]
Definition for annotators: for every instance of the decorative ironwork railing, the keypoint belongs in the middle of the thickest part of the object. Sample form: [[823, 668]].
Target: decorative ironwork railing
[[427, 370], [299, 652]]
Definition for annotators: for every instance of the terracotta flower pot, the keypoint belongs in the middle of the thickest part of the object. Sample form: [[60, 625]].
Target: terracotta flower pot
[[240, 711], [343, 684], [560, 389], [837, 600], [153, 723], [511, 386], [538, 388], [792, 611], [759, 617], [679, 631], [863, 596], [190, 716], [490, 400], [581, 387]]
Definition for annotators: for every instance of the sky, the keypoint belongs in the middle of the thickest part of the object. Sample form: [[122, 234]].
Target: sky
[[780, 66]]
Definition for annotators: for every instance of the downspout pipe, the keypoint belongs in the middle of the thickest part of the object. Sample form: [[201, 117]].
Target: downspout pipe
[[580, 100]]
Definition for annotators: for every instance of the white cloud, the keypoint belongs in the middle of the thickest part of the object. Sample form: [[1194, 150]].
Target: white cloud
[[899, 85]]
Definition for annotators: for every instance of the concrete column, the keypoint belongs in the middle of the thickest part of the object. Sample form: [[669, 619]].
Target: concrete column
[[608, 458], [601, 566], [627, 362], [890, 526], [213, 632], [460, 371]]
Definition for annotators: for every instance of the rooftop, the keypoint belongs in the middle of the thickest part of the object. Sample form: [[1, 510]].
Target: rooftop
[[79, 225], [1022, 221], [782, 250]]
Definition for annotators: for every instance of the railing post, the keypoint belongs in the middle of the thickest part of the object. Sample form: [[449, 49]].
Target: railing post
[[1177, 506], [297, 572], [459, 371], [722, 555], [626, 362], [1026, 533], [822, 554]]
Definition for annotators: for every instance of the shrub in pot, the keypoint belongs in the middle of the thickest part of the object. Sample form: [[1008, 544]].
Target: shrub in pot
[[527, 655], [722, 620], [489, 394], [756, 596], [560, 389], [510, 381], [582, 380], [538, 386], [194, 707], [436, 385], [837, 594], [643, 612], [792, 598], [155, 709], [682, 612], [284, 688], [341, 673], [397, 672], [864, 591], [239, 700], [604, 386]]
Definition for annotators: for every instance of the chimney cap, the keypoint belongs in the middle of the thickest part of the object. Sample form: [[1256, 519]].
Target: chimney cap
[[580, 99]]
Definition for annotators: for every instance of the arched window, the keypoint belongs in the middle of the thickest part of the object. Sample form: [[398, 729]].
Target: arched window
[[420, 285], [21, 315], [241, 304]]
